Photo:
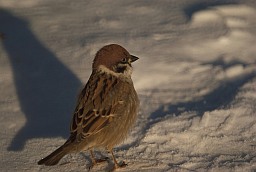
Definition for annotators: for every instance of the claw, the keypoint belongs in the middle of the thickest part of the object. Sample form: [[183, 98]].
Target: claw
[[96, 161], [121, 164]]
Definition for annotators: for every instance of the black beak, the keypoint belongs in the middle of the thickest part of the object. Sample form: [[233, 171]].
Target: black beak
[[134, 58]]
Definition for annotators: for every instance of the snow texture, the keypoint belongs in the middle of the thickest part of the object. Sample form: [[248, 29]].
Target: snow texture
[[196, 80]]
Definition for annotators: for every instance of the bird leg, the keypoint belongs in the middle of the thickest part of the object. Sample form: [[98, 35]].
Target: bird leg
[[117, 165], [96, 161]]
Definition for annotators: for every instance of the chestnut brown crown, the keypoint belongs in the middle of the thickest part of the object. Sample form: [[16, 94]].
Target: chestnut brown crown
[[114, 57]]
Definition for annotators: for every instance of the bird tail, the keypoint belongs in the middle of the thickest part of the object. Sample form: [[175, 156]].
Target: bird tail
[[54, 157]]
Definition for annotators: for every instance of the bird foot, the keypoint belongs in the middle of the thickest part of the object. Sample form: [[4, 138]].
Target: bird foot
[[98, 161], [104, 159], [121, 164]]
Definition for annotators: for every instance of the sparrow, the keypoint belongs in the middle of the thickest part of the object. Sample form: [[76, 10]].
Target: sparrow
[[106, 108]]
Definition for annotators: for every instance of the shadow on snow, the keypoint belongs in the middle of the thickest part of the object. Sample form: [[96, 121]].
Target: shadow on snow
[[193, 8], [46, 88]]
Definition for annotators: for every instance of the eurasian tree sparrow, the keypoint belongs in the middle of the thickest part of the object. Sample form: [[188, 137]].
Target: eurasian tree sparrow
[[106, 108]]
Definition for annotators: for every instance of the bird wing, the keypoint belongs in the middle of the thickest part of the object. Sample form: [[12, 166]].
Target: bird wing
[[96, 106]]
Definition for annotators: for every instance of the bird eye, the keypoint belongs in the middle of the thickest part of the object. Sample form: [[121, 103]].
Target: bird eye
[[123, 60]]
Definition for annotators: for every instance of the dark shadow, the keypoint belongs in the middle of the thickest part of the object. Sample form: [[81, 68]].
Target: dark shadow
[[221, 97], [46, 88], [191, 9], [220, 62]]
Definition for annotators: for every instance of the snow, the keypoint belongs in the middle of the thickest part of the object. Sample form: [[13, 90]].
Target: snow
[[196, 79]]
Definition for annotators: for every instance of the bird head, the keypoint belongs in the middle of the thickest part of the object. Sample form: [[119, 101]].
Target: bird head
[[115, 58]]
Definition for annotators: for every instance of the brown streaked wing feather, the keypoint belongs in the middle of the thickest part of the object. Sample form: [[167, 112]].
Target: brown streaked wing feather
[[95, 105], [77, 116]]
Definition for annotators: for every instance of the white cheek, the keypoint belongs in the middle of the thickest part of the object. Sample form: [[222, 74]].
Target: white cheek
[[128, 71]]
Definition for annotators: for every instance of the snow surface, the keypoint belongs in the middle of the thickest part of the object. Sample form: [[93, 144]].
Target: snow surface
[[196, 79]]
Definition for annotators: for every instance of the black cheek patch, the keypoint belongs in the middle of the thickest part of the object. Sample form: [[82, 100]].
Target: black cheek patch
[[121, 69]]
